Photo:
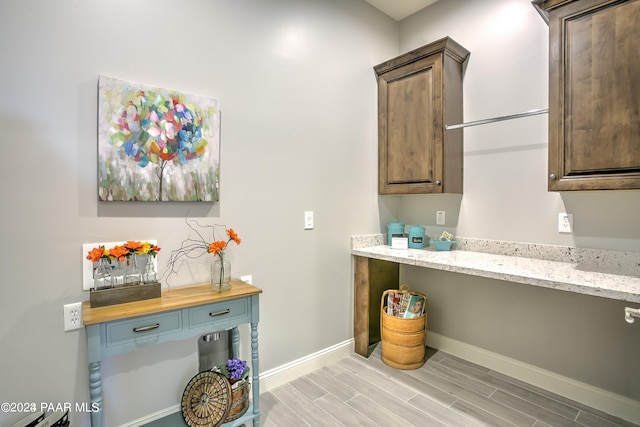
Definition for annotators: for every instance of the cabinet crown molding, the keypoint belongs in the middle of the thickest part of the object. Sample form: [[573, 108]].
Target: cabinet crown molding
[[445, 45]]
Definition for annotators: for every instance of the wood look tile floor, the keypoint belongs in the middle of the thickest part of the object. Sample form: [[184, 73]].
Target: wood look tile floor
[[446, 391]]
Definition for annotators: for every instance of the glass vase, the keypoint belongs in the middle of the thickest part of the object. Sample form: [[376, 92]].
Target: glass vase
[[144, 267], [102, 274], [125, 273], [220, 274], [150, 275], [132, 273], [118, 273]]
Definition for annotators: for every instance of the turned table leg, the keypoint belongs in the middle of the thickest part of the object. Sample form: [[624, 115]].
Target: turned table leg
[[255, 377], [95, 393]]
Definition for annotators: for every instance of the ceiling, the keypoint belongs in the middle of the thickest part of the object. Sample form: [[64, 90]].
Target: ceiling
[[400, 9]]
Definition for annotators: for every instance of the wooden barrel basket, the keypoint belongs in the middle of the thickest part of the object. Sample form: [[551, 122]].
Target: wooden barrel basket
[[239, 400], [403, 340]]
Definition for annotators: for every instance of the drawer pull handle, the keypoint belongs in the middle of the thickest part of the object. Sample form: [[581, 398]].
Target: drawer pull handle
[[146, 328], [220, 313]]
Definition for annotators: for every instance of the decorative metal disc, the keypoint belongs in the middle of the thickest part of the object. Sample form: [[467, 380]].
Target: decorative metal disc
[[206, 400]]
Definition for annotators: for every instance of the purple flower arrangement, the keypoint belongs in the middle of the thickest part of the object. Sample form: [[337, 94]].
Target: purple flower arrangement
[[235, 370]]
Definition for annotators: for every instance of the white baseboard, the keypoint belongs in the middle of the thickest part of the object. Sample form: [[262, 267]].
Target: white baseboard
[[297, 368], [606, 401], [153, 417], [274, 377]]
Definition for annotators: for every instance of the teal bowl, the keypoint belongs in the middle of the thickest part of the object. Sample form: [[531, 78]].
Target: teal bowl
[[442, 245]]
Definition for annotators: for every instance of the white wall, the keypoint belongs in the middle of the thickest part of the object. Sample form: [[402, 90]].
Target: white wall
[[298, 99], [505, 198]]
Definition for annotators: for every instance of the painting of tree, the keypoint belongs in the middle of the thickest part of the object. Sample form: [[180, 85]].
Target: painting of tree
[[156, 144]]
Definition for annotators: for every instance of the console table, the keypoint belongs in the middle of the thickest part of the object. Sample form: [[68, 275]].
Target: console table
[[180, 313]]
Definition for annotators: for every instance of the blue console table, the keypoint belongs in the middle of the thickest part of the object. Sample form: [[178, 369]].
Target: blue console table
[[180, 313]]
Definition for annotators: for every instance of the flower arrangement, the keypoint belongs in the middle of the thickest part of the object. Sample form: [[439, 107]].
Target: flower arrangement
[[235, 370], [195, 247], [122, 252], [220, 280], [218, 247], [124, 271]]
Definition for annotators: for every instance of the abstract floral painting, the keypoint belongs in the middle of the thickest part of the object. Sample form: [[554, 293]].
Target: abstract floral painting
[[156, 144]]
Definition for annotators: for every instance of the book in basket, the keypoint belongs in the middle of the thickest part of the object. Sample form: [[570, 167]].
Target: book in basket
[[393, 303], [415, 307]]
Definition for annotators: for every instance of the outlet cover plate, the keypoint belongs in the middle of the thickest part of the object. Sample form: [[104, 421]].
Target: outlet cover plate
[[73, 316], [565, 223]]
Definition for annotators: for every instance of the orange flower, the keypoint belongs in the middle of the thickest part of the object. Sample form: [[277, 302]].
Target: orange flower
[[135, 246], [141, 248], [95, 254], [233, 236], [119, 252], [217, 247]]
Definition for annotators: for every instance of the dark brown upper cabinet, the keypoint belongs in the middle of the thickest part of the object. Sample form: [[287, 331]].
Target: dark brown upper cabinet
[[418, 93], [594, 93]]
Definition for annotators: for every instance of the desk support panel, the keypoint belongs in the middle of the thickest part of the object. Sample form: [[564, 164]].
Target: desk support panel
[[371, 278]]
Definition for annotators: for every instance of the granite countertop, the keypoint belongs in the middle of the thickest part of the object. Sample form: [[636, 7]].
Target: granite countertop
[[574, 274]]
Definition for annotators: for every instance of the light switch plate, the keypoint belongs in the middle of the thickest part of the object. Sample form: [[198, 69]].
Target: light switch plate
[[308, 220], [87, 266]]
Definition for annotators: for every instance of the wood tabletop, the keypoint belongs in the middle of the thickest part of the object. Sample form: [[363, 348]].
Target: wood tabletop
[[171, 299]]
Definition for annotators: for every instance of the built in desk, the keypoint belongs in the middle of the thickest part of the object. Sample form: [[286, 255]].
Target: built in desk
[[180, 313], [617, 276]]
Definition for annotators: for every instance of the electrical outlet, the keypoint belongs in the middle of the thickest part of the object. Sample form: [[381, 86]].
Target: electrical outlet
[[565, 223], [73, 316], [247, 279], [440, 218]]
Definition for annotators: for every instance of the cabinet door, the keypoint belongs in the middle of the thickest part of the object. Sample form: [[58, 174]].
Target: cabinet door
[[594, 89], [410, 123]]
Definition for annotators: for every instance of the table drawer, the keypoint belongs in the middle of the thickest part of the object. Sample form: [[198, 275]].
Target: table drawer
[[219, 312], [143, 328]]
